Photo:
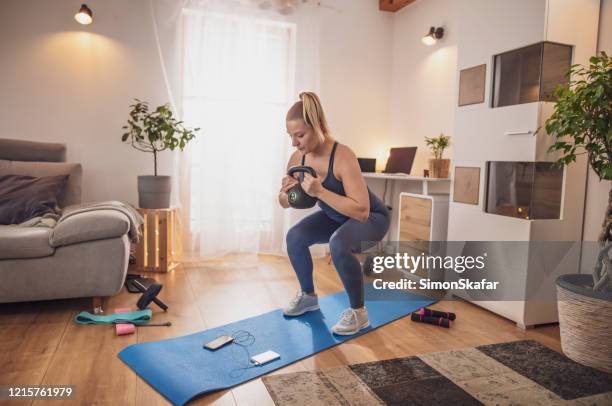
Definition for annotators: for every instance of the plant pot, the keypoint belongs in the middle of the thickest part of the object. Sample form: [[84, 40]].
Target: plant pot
[[585, 321], [154, 192], [439, 168]]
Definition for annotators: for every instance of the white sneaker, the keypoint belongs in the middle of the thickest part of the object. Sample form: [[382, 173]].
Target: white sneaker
[[301, 304], [351, 321]]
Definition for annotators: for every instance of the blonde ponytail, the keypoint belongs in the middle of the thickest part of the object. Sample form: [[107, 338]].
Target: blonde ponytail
[[310, 110]]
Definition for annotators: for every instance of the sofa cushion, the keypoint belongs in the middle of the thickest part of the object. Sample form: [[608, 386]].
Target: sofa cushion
[[89, 226], [72, 192], [24, 242], [24, 197]]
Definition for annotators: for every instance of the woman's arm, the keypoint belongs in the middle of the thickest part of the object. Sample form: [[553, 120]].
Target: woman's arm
[[356, 203]]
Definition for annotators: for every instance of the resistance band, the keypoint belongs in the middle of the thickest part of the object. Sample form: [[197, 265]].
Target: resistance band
[[137, 317]]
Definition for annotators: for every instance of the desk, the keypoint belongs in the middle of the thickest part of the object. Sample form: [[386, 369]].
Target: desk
[[402, 183], [441, 186]]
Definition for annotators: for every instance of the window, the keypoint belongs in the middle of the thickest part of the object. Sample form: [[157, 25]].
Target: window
[[238, 83]]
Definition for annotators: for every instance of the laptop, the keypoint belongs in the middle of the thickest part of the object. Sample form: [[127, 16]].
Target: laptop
[[401, 160], [367, 164]]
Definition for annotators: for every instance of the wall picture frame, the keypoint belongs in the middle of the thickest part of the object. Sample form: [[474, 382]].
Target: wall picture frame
[[472, 82], [466, 185]]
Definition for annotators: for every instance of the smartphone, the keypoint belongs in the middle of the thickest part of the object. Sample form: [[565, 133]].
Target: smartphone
[[218, 342], [264, 357]]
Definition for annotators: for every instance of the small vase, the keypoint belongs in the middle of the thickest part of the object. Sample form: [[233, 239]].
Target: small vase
[[154, 192], [439, 168]]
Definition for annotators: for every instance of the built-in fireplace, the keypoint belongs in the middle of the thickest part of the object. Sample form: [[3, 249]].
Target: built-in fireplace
[[527, 190]]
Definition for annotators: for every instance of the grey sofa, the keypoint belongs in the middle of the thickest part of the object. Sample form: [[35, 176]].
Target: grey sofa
[[85, 256]]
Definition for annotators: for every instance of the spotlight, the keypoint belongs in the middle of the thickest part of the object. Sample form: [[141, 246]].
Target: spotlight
[[84, 16], [433, 35]]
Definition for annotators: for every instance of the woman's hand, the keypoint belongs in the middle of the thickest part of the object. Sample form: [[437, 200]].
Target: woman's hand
[[311, 185], [288, 183]]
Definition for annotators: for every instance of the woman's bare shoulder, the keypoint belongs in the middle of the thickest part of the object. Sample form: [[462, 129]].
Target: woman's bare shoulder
[[345, 153], [345, 162]]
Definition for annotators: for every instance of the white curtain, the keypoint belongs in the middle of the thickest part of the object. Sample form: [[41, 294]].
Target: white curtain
[[233, 67], [238, 81]]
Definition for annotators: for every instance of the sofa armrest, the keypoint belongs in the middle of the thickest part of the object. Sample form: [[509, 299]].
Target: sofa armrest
[[89, 226]]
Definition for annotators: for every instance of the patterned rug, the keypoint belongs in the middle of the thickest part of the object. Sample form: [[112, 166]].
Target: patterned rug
[[514, 373]]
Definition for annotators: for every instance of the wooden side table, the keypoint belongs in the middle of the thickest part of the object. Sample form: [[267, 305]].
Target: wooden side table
[[155, 252]]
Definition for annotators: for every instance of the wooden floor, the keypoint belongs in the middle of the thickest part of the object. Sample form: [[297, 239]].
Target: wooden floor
[[39, 343]]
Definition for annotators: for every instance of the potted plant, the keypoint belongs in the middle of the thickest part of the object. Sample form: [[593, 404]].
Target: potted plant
[[155, 131], [582, 124], [438, 167]]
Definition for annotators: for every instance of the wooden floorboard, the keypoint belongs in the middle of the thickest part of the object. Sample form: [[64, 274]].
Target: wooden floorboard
[[39, 343]]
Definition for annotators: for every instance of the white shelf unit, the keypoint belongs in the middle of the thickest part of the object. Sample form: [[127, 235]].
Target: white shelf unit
[[483, 133]]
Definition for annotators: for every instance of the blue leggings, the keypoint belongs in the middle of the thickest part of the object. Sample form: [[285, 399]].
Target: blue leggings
[[344, 239]]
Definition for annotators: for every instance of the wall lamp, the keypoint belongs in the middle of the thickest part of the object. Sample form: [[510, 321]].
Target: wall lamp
[[84, 16], [433, 35]]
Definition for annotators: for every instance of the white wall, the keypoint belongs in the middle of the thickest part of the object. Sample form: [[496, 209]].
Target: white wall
[[64, 82], [355, 78], [423, 94], [597, 191]]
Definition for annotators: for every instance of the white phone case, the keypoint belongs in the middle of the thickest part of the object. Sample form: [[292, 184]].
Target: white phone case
[[264, 357]]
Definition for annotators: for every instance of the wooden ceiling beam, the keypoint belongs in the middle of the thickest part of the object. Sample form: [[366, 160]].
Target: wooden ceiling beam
[[393, 5]]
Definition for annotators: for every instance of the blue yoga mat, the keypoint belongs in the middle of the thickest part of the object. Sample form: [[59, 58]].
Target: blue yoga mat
[[180, 369]]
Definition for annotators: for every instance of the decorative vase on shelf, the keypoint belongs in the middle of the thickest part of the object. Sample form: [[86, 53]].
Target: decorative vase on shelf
[[439, 168]]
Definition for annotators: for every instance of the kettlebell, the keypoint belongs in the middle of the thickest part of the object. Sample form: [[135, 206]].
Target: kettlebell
[[298, 199]]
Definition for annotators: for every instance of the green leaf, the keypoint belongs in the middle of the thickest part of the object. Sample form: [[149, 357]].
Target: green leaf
[[582, 115], [156, 129]]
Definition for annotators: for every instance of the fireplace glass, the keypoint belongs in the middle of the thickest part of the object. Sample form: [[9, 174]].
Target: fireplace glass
[[527, 190]]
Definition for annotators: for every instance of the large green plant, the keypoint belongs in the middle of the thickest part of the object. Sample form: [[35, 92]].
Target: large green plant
[[155, 131], [582, 124], [438, 145]]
